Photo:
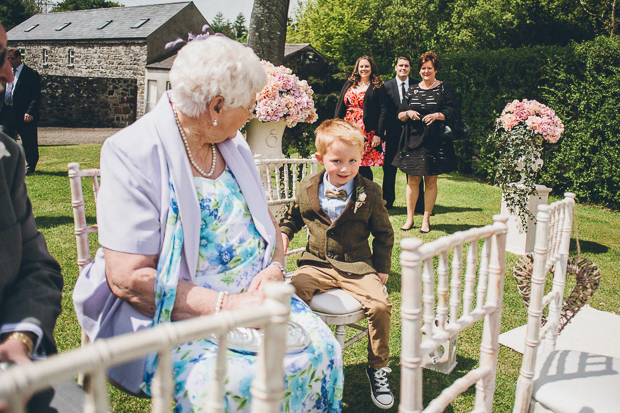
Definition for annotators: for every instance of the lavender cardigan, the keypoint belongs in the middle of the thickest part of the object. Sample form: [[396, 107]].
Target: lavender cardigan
[[137, 165]]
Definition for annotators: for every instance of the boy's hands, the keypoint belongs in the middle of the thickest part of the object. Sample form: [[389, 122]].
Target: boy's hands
[[383, 277], [285, 241]]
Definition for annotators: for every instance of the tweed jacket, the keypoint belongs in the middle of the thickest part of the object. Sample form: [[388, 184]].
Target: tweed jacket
[[30, 279], [342, 243]]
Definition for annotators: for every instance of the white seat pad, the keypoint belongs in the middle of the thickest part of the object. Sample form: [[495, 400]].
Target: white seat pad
[[335, 301], [576, 382]]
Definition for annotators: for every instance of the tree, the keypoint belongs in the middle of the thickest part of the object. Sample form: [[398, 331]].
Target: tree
[[267, 34], [13, 12], [222, 25], [241, 31], [71, 5]]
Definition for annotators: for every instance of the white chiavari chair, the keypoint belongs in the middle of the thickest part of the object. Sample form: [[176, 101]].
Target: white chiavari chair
[[553, 380], [437, 304], [18, 383]]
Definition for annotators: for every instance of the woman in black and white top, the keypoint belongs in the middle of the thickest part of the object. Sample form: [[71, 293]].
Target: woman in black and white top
[[421, 151]]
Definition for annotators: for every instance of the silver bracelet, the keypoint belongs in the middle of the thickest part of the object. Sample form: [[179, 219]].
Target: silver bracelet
[[220, 301], [279, 266]]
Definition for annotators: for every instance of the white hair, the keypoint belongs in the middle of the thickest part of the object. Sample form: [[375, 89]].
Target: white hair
[[216, 66]]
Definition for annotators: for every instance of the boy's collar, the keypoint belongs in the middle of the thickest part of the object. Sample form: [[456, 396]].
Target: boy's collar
[[347, 187]]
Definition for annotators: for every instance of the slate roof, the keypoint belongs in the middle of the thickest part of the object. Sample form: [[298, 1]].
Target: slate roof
[[289, 48], [85, 23]]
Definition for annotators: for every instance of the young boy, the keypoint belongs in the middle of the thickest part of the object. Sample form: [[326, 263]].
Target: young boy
[[341, 209]]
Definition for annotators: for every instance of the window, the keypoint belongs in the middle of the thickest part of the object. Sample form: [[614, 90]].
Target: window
[[44, 57], [140, 23], [104, 24], [31, 28], [62, 26], [22, 51], [168, 85], [70, 58]]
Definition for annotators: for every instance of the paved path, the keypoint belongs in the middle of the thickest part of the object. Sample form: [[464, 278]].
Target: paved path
[[63, 136]]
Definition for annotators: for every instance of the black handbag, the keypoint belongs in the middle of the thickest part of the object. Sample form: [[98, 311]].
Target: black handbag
[[461, 131]]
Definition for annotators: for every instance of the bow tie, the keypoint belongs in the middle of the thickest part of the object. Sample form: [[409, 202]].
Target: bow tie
[[341, 194]]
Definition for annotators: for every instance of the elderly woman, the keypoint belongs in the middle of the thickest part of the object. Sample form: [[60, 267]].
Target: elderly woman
[[421, 150], [363, 102], [185, 231]]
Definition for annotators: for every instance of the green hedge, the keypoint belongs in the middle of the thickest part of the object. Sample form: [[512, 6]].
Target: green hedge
[[581, 82]]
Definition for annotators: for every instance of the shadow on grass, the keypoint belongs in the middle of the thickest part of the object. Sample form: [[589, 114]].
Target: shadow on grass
[[357, 388], [59, 144], [64, 174], [47, 222], [587, 246]]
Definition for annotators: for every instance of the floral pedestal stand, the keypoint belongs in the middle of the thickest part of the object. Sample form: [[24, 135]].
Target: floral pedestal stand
[[520, 240], [265, 138]]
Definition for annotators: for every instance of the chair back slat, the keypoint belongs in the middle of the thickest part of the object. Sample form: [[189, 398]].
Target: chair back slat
[[470, 277], [81, 229], [418, 302], [17, 383], [553, 228]]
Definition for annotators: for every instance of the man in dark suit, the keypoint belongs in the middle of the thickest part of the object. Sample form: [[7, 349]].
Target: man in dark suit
[[19, 107], [30, 278], [395, 88]]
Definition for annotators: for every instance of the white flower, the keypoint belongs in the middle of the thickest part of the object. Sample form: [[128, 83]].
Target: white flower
[[3, 151]]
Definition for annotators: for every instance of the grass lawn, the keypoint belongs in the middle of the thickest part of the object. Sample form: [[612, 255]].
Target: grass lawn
[[462, 203]]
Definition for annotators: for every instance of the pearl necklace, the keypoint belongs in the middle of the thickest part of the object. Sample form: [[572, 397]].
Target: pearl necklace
[[430, 87], [189, 152]]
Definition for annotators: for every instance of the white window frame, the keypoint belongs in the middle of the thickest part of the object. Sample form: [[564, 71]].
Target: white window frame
[[70, 58]]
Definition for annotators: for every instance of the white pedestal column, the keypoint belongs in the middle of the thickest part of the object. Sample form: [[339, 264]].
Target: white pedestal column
[[519, 241], [265, 138]]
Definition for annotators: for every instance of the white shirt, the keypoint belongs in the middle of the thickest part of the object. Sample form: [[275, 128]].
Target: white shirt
[[400, 88], [333, 207], [10, 87]]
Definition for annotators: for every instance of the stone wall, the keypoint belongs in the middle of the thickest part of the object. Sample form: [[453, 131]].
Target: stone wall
[[73, 101], [111, 59]]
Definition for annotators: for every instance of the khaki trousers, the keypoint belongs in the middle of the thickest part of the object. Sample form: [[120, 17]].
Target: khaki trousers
[[367, 289]]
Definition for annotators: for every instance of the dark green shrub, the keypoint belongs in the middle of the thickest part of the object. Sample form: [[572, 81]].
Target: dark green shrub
[[583, 88]]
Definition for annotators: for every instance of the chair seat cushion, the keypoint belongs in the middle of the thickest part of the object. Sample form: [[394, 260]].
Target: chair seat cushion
[[574, 381], [335, 301]]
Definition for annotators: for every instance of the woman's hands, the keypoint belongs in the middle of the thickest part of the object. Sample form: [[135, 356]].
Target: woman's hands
[[383, 277], [271, 273], [432, 117]]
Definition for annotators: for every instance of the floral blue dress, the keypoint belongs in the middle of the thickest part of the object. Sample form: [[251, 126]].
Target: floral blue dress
[[231, 254]]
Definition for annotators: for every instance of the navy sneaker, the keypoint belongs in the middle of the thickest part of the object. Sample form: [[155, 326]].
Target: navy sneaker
[[380, 391]]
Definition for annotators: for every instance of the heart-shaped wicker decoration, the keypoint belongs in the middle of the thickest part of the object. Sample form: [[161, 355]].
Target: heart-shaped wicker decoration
[[587, 278]]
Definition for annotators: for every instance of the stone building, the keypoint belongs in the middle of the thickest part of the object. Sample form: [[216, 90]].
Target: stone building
[[93, 62]]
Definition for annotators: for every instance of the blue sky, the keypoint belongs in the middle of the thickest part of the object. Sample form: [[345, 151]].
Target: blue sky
[[209, 8]]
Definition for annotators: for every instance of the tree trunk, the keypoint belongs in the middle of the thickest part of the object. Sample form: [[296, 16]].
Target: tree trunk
[[267, 34]]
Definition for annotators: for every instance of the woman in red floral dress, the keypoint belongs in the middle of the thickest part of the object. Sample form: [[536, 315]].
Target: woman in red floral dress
[[363, 101]]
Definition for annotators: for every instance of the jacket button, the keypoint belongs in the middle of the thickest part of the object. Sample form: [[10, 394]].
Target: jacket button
[[330, 255]]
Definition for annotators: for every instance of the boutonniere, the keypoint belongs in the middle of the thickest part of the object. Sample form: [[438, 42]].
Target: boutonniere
[[3, 151], [361, 198]]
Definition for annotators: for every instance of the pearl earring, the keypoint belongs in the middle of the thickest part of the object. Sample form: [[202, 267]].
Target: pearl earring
[[214, 122]]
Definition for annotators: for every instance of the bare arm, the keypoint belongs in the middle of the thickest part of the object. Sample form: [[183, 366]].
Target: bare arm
[[131, 277]]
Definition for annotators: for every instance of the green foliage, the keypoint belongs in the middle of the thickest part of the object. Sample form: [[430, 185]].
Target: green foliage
[[236, 30], [516, 145], [13, 12], [583, 88], [222, 25], [71, 5]]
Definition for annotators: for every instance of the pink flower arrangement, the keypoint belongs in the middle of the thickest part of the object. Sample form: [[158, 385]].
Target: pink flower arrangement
[[538, 118], [285, 97]]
